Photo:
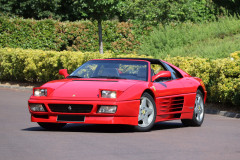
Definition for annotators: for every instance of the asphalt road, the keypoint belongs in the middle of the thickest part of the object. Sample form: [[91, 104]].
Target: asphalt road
[[218, 138]]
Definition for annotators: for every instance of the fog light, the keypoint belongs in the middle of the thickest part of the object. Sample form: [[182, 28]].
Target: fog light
[[37, 107], [107, 109]]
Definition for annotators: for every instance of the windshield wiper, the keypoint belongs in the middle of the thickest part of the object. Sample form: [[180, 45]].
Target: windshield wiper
[[74, 77]]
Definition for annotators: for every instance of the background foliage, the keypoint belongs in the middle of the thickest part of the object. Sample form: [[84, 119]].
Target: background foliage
[[142, 11], [42, 66], [221, 76], [216, 39], [54, 35], [153, 12]]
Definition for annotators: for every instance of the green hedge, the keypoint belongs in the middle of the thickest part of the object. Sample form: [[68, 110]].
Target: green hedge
[[221, 76], [82, 36], [42, 66]]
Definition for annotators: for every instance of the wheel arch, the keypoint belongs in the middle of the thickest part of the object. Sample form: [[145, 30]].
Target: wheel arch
[[202, 90], [149, 91]]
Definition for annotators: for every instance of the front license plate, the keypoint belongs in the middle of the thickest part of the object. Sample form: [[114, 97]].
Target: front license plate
[[73, 118]]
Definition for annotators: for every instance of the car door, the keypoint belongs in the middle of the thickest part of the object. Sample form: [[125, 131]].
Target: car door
[[167, 86], [169, 94]]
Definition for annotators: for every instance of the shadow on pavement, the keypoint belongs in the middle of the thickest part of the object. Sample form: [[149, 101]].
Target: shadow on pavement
[[167, 125], [99, 128]]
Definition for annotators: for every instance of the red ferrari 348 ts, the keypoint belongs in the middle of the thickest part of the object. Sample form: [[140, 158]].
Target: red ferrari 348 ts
[[137, 92]]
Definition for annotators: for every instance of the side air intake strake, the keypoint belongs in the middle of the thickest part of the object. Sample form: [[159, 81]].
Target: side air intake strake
[[173, 104]]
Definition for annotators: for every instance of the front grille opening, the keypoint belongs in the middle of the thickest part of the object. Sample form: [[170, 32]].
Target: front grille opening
[[71, 108]]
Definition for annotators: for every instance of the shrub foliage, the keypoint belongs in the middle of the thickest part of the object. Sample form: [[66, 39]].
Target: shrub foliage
[[142, 11], [73, 36], [221, 76], [207, 40]]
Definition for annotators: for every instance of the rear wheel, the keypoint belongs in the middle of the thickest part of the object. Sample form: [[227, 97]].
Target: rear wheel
[[198, 113], [52, 126], [147, 113]]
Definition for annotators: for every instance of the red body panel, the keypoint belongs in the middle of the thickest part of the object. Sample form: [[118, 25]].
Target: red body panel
[[120, 117], [174, 99]]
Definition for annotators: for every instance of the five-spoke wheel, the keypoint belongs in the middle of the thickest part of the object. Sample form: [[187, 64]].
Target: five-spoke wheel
[[147, 113], [199, 108]]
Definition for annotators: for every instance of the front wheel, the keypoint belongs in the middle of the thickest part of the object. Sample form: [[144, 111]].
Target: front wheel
[[198, 113], [51, 126], [147, 113]]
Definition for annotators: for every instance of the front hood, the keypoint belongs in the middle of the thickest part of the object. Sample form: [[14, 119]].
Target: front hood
[[86, 88]]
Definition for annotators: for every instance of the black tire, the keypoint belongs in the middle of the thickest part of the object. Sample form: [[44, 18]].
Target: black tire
[[147, 113], [52, 126], [198, 113]]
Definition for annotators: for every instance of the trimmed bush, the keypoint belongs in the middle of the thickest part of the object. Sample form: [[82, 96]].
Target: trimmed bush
[[207, 40], [42, 66], [27, 34], [235, 55], [221, 76], [72, 36]]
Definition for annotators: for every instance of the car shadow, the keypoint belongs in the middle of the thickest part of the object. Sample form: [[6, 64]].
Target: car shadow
[[167, 125], [101, 128]]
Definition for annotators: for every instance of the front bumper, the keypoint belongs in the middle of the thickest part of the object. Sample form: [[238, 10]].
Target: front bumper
[[127, 112]]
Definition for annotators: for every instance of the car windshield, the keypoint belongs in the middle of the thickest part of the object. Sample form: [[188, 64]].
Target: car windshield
[[112, 69]]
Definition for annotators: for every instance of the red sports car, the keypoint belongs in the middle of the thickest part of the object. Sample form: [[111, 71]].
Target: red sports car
[[137, 92]]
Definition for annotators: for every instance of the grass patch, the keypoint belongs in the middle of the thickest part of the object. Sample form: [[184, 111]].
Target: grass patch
[[212, 48], [209, 40]]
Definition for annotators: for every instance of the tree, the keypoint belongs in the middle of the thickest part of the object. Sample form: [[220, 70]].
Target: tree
[[153, 12], [229, 7], [37, 9], [98, 10]]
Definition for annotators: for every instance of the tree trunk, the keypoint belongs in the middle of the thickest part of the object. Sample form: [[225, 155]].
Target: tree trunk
[[100, 36]]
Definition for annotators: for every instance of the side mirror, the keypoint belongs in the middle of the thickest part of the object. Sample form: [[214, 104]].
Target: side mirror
[[63, 72], [161, 74]]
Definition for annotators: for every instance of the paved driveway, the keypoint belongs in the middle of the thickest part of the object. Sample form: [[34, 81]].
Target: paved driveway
[[218, 138]]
